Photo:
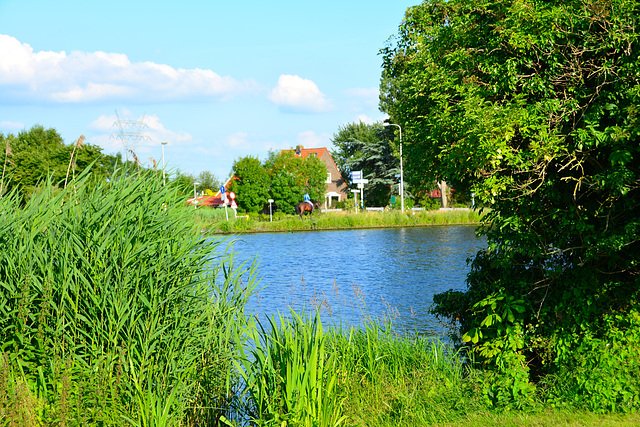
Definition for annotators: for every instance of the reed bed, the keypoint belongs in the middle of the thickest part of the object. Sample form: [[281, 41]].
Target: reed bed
[[391, 379], [113, 310], [290, 377]]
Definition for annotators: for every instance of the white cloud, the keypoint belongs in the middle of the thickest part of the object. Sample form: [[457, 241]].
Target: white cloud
[[310, 139], [11, 126], [363, 98], [237, 140], [298, 95], [80, 77], [365, 119]]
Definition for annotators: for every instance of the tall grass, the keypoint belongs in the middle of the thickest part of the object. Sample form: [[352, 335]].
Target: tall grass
[[297, 375], [289, 375], [389, 379], [113, 310]]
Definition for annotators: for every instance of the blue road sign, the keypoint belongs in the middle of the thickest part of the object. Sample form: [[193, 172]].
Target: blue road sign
[[222, 189]]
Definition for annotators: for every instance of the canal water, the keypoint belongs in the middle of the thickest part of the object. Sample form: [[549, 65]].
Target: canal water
[[353, 275]]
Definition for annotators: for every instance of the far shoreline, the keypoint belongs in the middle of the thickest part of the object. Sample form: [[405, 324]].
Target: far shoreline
[[214, 222]]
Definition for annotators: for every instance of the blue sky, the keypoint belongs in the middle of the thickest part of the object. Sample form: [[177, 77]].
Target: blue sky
[[216, 80]]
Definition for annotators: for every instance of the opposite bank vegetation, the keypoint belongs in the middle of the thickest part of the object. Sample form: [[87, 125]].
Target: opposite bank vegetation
[[115, 311], [214, 221]]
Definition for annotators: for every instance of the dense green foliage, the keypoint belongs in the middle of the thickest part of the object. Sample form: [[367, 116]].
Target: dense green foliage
[[369, 148], [185, 183], [534, 106], [207, 181], [250, 183], [291, 176], [282, 177], [39, 153], [112, 308]]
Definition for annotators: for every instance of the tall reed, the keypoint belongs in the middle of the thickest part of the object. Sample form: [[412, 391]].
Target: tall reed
[[290, 378], [111, 303], [392, 379]]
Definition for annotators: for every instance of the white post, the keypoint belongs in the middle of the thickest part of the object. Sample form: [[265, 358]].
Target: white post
[[401, 175], [443, 193], [270, 211], [195, 202]]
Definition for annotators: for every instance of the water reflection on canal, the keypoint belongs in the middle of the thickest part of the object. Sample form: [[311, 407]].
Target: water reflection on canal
[[354, 273]]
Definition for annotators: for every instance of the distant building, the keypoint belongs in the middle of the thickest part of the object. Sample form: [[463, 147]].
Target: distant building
[[337, 189]]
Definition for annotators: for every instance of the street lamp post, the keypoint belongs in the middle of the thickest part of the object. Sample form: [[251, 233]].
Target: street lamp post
[[401, 170], [164, 181]]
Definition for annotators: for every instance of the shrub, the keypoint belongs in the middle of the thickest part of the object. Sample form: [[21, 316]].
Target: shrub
[[601, 370], [431, 203]]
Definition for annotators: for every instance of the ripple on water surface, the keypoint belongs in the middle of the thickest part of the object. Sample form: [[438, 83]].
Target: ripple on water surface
[[357, 273]]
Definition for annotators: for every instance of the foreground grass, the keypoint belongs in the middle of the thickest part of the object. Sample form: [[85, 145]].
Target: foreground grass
[[374, 377], [215, 222], [545, 418], [113, 310], [116, 312], [414, 382]]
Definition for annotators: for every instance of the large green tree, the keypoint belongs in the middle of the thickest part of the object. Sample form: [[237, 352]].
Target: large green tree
[[38, 153], [291, 176], [282, 177], [371, 149], [208, 181], [251, 183], [534, 106]]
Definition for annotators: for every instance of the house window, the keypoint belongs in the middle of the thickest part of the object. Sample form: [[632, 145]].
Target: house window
[[328, 181]]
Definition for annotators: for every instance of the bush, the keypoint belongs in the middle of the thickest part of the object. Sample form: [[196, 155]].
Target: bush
[[431, 203], [600, 369]]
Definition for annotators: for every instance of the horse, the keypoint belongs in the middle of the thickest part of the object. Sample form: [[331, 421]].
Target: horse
[[306, 207]]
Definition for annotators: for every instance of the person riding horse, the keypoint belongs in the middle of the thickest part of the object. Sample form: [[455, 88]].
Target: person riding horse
[[307, 205], [307, 199]]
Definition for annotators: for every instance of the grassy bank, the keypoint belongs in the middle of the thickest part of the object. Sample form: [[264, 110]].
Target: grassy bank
[[213, 221], [300, 375], [114, 311]]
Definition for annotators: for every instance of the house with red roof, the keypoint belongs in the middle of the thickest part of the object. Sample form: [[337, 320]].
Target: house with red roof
[[337, 189]]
